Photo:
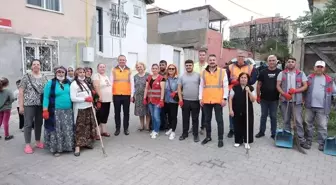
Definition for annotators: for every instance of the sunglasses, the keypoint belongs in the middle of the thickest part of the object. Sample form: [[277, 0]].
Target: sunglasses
[[171, 68]]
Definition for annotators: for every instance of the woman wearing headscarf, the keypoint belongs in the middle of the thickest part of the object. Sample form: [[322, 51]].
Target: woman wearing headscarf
[[70, 74], [81, 97], [58, 114]]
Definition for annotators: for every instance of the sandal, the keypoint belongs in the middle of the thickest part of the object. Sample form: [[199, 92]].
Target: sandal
[[105, 134], [97, 138]]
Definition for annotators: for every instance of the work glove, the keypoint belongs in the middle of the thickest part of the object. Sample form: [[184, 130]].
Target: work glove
[[161, 104], [234, 82], [287, 96], [292, 91], [45, 114], [180, 103], [88, 99], [172, 94], [145, 101], [258, 99]]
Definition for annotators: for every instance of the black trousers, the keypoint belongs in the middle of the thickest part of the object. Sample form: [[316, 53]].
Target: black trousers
[[193, 108], [172, 109], [202, 119], [207, 108], [123, 101], [239, 123], [163, 117]]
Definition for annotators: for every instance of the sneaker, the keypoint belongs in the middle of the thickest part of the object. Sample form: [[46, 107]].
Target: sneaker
[[169, 132], [151, 133], [247, 146], [305, 145], [9, 137], [259, 135], [230, 134], [172, 136], [28, 149], [40, 145], [321, 147], [154, 135], [236, 145]]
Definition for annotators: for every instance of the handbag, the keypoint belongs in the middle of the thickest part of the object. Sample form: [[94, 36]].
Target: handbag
[[41, 94], [175, 98]]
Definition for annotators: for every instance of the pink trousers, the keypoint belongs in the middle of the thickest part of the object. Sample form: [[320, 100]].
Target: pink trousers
[[4, 119]]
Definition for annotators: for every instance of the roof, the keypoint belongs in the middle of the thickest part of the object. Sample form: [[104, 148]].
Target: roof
[[264, 20], [215, 15], [157, 10]]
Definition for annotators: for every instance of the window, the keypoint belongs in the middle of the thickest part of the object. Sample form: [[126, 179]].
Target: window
[[44, 50], [54, 5], [100, 36], [137, 11], [118, 20]]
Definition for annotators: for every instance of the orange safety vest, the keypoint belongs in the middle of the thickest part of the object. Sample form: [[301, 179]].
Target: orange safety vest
[[213, 86], [121, 81], [154, 92], [235, 72]]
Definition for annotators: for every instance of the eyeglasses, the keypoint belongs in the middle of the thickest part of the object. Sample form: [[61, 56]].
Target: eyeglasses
[[171, 68]]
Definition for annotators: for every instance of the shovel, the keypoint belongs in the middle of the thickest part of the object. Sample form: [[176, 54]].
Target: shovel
[[284, 138], [330, 146]]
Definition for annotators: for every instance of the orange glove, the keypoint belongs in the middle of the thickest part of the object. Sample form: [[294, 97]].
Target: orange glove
[[98, 105], [145, 102], [161, 104], [234, 82], [258, 99], [172, 94], [180, 103], [89, 99], [45, 114], [292, 91], [287, 96]]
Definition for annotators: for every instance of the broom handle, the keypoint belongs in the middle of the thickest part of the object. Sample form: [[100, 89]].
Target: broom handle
[[98, 129], [247, 118]]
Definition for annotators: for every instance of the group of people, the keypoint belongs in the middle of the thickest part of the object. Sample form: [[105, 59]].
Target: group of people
[[76, 108]]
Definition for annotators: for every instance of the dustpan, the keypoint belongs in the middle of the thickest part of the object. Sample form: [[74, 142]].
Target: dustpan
[[284, 138], [330, 146]]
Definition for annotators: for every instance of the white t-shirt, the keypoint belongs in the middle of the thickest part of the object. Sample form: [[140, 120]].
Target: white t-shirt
[[105, 87], [16, 96]]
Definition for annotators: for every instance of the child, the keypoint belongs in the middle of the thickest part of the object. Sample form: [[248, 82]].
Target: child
[[6, 100]]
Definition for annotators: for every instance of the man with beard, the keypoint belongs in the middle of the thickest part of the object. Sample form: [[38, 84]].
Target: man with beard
[[189, 102], [318, 103], [163, 114], [213, 94], [291, 82]]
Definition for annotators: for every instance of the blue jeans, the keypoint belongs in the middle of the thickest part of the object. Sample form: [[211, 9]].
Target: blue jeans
[[155, 111], [268, 108]]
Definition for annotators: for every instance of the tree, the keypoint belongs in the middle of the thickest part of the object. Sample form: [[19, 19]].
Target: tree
[[274, 47], [228, 44], [318, 22]]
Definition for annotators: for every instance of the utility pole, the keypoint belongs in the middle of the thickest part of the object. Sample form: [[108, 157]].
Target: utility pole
[[119, 21]]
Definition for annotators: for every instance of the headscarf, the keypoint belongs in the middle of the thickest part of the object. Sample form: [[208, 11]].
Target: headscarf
[[66, 80]]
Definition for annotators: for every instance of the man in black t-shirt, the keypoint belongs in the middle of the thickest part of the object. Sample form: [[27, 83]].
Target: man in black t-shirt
[[268, 96]]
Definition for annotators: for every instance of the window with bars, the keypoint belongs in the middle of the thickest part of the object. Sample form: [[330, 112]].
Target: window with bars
[[54, 5], [45, 51], [118, 20]]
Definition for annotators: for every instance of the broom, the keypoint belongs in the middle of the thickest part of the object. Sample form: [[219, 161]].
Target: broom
[[100, 138]]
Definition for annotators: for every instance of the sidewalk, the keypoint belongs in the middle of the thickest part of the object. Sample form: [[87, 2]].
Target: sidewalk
[[137, 159]]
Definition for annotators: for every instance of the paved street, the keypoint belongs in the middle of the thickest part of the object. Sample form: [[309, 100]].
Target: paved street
[[137, 159]]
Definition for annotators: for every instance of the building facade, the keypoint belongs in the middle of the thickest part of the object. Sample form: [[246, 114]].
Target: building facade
[[195, 28], [56, 33], [319, 4], [254, 34]]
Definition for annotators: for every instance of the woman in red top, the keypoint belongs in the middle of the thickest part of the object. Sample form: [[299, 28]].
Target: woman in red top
[[154, 94]]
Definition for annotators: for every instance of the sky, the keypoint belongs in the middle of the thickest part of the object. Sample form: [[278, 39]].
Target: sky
[[236, 14]]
